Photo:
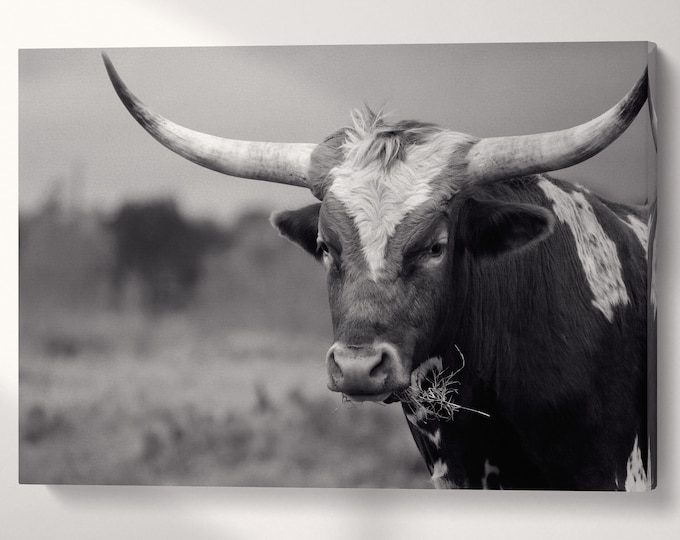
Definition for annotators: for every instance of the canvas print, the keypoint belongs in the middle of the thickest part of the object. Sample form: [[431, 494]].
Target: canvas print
[[403, 266]]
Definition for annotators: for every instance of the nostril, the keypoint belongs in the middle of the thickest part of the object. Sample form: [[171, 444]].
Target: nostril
[[386, 362], [333, 367], [382, 363]]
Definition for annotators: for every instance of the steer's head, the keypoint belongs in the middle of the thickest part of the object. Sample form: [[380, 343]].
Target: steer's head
[[386, 232], [399, 208]]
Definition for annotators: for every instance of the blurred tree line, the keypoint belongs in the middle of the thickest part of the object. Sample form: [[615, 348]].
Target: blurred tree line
[[153, 242], [149, 256]]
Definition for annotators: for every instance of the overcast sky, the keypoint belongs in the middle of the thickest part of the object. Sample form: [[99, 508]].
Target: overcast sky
[[76, 136]]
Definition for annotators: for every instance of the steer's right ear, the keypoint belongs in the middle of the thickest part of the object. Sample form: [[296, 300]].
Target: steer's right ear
[[300, 226], [490, 228]]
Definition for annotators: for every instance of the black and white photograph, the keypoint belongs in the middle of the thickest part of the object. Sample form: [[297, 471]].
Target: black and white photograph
[[358, 266]]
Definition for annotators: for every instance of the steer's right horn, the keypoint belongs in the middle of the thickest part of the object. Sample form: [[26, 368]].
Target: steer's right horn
[[504, 157], [282, 163]]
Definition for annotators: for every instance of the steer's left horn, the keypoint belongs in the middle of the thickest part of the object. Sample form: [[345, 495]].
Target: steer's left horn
[[503, 157], [282, 163]]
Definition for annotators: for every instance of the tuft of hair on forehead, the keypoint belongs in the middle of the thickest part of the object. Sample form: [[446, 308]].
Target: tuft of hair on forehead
[[372, 139]]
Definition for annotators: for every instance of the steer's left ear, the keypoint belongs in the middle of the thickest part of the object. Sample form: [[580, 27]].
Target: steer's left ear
[[300, 226], [490, 228]]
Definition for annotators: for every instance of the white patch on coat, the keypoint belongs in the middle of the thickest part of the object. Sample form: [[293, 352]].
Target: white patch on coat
[[636, 476], [439, 477], [379, 197], [597, 252], [489, 470], [435, 438], [640, 229]]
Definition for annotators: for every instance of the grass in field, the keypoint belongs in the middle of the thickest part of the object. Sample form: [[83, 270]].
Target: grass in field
[[123, 399]]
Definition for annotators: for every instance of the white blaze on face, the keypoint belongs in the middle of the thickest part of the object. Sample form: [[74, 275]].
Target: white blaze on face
[[378, 198], [597, 252]]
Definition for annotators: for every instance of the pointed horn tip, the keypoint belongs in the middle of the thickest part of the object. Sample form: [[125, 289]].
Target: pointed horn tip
[[630, 105], [642, 85], [107, 62], [111, 70], [644, 79], [129, 100]]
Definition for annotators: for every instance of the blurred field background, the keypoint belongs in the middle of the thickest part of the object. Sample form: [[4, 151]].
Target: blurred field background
[[212, 379]]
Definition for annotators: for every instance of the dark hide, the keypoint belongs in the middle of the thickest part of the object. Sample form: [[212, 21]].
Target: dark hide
[[490, 227], [300, 226], [565, 387]]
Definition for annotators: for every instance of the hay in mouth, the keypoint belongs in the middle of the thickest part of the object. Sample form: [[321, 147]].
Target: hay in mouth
[[431, 394]]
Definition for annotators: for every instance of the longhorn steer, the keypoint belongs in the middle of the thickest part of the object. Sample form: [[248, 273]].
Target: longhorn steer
[[463, 280]]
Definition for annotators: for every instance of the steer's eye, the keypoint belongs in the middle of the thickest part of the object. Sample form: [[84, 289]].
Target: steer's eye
[[437, 250], [323, 247]]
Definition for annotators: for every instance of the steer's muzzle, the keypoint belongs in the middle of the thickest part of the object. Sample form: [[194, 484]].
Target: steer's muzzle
[[366, 372]]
